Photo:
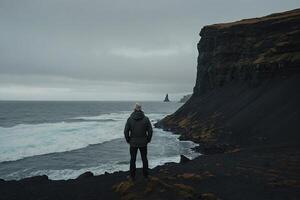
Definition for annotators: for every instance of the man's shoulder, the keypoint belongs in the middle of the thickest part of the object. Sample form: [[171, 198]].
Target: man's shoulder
[[129, 119], [146, 118]]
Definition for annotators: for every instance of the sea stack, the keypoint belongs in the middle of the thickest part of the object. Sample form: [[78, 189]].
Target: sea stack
[[167, 98]]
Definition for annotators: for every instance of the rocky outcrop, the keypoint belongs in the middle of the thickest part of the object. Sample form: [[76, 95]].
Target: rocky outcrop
[[85, 175], [246, 90], [183, 159], [185, 98], [167, 98]]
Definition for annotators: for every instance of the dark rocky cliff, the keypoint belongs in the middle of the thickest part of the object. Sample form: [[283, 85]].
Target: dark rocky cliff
[[185, 98], [252, 49], [247, 88]]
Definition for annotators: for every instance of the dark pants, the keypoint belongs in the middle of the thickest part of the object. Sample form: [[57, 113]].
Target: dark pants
[[133, 152]]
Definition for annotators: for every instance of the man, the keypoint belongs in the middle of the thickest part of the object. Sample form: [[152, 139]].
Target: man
[[138, 133]]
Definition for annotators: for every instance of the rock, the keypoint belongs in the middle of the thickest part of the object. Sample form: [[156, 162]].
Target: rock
[[196, 177], [207, 174], [184, 159], [123, 187], [208, 196], [156, 184], [167, 164], [185, 190], [190, 176], [167, 98], [213, 149], [36, 179], [267, 164], [185, 98], [85, 175]]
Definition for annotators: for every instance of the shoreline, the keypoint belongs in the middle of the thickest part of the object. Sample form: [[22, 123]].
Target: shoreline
[[192, 148], [245, 174], [221, 173]]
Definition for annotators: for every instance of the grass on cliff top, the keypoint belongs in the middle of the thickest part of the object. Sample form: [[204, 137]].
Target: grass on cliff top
[[283, 15]]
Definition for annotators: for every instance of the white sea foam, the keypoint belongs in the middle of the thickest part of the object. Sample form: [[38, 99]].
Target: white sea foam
[[120, 116], [101, 169], [107, 116], [27, 140], [72, 174], [30, 140]]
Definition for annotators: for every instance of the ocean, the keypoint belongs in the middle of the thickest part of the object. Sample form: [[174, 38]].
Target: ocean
[[63, 139]]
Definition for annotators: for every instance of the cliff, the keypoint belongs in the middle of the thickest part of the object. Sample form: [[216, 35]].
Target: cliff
[[247, 86], [185, 98]]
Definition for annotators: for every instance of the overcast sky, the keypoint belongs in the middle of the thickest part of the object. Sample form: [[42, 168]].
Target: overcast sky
[[109, 49]]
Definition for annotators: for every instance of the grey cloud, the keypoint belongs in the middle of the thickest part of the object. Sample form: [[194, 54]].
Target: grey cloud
[[76, 45]]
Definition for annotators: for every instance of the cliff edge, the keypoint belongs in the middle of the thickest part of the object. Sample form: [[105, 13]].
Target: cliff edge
[[247, 86]]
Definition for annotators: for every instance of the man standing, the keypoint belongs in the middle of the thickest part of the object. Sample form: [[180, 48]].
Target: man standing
[[138, 133]]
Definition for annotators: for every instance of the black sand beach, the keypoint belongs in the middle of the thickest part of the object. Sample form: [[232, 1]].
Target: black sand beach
[[260, 173]]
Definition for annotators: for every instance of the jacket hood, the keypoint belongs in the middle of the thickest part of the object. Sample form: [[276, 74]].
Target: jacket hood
[[137, 115]]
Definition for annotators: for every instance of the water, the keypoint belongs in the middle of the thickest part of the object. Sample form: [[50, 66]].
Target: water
[[65, 139]]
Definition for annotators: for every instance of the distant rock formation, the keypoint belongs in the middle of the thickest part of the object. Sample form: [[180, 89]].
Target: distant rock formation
[[167, 98], [185, 98], [248, 75]]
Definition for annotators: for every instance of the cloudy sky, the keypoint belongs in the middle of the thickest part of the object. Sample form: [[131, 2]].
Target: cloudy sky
[[109, 49]]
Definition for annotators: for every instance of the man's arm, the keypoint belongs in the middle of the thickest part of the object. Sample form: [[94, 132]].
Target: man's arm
[[149, 130], [126, 131]]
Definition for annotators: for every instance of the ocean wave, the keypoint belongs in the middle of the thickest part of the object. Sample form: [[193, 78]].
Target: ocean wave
[[64, 174], [89, 120], [23, 141], [119, 116], [26, 140], [106, 116]]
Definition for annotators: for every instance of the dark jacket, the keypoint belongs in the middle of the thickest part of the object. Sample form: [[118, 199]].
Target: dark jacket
[[138, 129]]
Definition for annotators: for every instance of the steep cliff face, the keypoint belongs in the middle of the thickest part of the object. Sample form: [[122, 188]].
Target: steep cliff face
[[247, 87], [185, 98], [251, 49]]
